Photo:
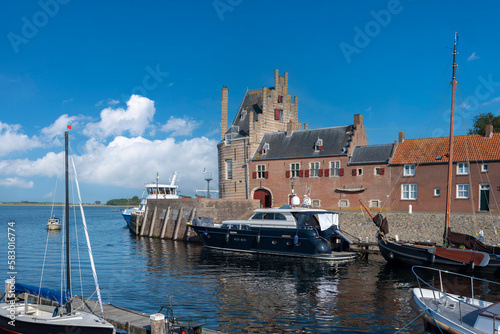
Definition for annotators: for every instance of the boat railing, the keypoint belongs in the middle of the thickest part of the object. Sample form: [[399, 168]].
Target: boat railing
[[442, 298]]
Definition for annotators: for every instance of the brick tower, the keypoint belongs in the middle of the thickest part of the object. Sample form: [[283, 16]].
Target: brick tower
[[265, 110]]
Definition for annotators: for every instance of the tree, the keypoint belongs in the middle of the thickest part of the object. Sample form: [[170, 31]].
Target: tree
[[480, 121]]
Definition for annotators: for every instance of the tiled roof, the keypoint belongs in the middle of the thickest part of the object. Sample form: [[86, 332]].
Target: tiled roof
[[371, 154], [301, 143], [465, 148]]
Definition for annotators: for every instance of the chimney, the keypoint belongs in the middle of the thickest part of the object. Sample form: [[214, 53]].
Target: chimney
[[285, 89], [224, 108], [489, 131], [401, 137], [289, 128], [306, 126], [276, 78], [358, 121]]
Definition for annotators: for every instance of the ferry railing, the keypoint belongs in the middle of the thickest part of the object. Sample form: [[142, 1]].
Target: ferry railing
[[442, 295]]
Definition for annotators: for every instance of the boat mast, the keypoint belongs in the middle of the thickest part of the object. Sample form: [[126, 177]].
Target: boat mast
[[450, 154], [68, 267]]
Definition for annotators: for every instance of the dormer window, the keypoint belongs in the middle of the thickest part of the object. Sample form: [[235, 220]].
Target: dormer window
[[243, 114], [265, 148], [319, 145]]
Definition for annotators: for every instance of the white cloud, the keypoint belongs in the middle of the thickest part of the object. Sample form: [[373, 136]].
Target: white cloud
[[16, 183], [473, 56], [114, 122], [11, 139], [49, 166], [180, 126], [56, 129], [494, 100]]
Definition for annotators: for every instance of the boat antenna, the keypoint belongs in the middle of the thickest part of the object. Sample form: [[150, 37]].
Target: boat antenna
[[450, 154], [157, 187], [68, 262]]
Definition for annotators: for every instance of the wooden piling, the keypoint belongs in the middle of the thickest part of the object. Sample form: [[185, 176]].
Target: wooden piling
[[144, 221], [157, 323], [178, 223], [152, 225], [188, 230], [165, 223]]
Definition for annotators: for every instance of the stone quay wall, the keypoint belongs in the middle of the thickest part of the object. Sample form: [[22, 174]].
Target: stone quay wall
[[421, 226]]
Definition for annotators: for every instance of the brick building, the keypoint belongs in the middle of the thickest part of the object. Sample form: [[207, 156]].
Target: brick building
[[420, 167]]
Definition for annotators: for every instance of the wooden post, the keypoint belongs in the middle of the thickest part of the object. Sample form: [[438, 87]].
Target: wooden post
[[152, 225], [128, 327], [188, 229], [157, 321], [144, 221], [137, 220], [165, 223], [178, 223]]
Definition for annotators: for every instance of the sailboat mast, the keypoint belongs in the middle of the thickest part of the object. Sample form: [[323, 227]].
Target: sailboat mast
[[68, 267], [450, 154]]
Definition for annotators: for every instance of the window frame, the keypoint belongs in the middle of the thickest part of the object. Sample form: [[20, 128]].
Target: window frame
[[464, 169], [410, 171], [465, 192], [334, 171], [409, 191], [294, 172], [314, 172], [261, 171], [437, 192], [229, 169], [485, 167]]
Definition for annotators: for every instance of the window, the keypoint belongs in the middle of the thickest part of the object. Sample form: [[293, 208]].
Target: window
[[462, 191], [374, 203], [319, 145], [409, 170], [357, 171], [278, 114], [462, 168], [344, 203], [280, 98], [229, 169], [243, 114], [334, 168], [409, 191], [484, 168], [261, 171], [314, 169], [379, 171], [294, 170], [316, 203], [265, 148], [437, 192]]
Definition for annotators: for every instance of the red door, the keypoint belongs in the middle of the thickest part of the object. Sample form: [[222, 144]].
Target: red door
[[264, 197]]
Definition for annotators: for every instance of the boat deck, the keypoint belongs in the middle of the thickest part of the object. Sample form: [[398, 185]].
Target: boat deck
[[451, 309]]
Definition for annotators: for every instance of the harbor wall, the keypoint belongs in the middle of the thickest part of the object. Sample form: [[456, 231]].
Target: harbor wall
[[167, 219], [421, 226]]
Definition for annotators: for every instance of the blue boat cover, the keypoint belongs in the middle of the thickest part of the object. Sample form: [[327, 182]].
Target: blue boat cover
[[57, 296]]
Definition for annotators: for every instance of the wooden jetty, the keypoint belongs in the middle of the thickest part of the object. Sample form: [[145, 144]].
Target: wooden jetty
[[365, 248], [123, 319]]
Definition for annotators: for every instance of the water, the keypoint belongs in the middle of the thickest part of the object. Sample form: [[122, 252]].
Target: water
[[236, 292]]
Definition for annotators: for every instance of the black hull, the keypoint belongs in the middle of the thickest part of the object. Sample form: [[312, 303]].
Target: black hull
[[275, 241], [411, 255], [40, 327]]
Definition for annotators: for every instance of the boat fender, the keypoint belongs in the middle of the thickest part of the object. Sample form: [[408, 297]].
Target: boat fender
[[296, 240], [205, 234], [258, 239], [391, 255], [472, 265], [227, 237]]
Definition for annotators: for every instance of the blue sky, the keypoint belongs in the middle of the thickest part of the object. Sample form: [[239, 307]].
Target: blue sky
[[140, 82]]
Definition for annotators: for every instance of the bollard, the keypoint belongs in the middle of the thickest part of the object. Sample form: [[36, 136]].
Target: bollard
[[157, 322], [409, 209]]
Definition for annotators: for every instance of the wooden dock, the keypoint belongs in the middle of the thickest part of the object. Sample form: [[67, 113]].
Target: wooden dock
[[365, 248], [123, 319]]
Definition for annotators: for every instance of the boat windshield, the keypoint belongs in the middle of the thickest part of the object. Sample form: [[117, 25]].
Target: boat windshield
[[323, 220], [236, 226], [269, 216]]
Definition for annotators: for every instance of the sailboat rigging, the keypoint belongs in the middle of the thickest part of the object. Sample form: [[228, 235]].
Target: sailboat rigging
[[476, 256], [27, 318]]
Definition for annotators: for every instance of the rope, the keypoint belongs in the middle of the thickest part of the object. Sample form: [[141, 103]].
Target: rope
[[418, 316], [43, 266]]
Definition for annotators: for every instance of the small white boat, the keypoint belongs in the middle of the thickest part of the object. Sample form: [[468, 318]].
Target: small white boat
[[53, 224], [458, 311]]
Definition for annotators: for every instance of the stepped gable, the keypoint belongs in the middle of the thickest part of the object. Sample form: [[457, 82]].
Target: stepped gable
[[435, 150], [302, 143], [371, 154], [252, 102]]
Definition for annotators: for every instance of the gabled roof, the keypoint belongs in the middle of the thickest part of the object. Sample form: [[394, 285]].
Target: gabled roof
[[435, 150], [251, 102], [301, 143], [371, 154]]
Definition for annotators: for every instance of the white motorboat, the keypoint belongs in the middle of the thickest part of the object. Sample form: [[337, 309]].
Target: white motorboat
[[459, 309], [54, 224]]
